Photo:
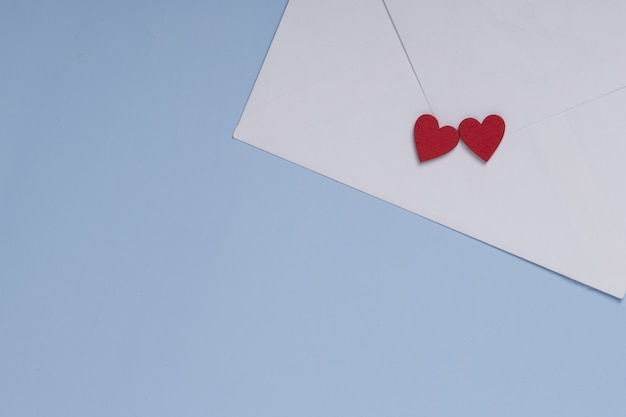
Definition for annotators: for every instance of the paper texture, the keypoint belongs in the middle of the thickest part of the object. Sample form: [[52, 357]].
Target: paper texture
[[526, 60]]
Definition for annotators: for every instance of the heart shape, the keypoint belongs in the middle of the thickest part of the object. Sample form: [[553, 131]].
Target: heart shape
[[482, 138], [431, 141]]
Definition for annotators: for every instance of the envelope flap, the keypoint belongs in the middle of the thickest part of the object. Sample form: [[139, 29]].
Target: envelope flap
[[523, 59]]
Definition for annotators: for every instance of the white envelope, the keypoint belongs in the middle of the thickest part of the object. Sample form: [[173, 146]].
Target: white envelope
[[345, 80]]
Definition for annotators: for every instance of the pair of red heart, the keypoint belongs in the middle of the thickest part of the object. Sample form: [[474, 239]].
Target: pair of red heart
[[483, 139]]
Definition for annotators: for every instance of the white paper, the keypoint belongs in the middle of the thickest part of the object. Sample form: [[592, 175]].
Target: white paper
[[525, 60], [338, 94]]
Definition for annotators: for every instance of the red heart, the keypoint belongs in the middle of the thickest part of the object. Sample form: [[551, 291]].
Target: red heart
[[431, 141], [482, 138]]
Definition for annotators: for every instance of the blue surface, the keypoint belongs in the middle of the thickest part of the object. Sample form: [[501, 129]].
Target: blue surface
[[152, 266]]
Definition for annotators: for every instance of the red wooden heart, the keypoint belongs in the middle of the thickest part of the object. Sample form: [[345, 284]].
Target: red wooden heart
[[431, 141], [482, 138]]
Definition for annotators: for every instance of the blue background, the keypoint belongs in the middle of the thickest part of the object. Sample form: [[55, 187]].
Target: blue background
[[153, 266]]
